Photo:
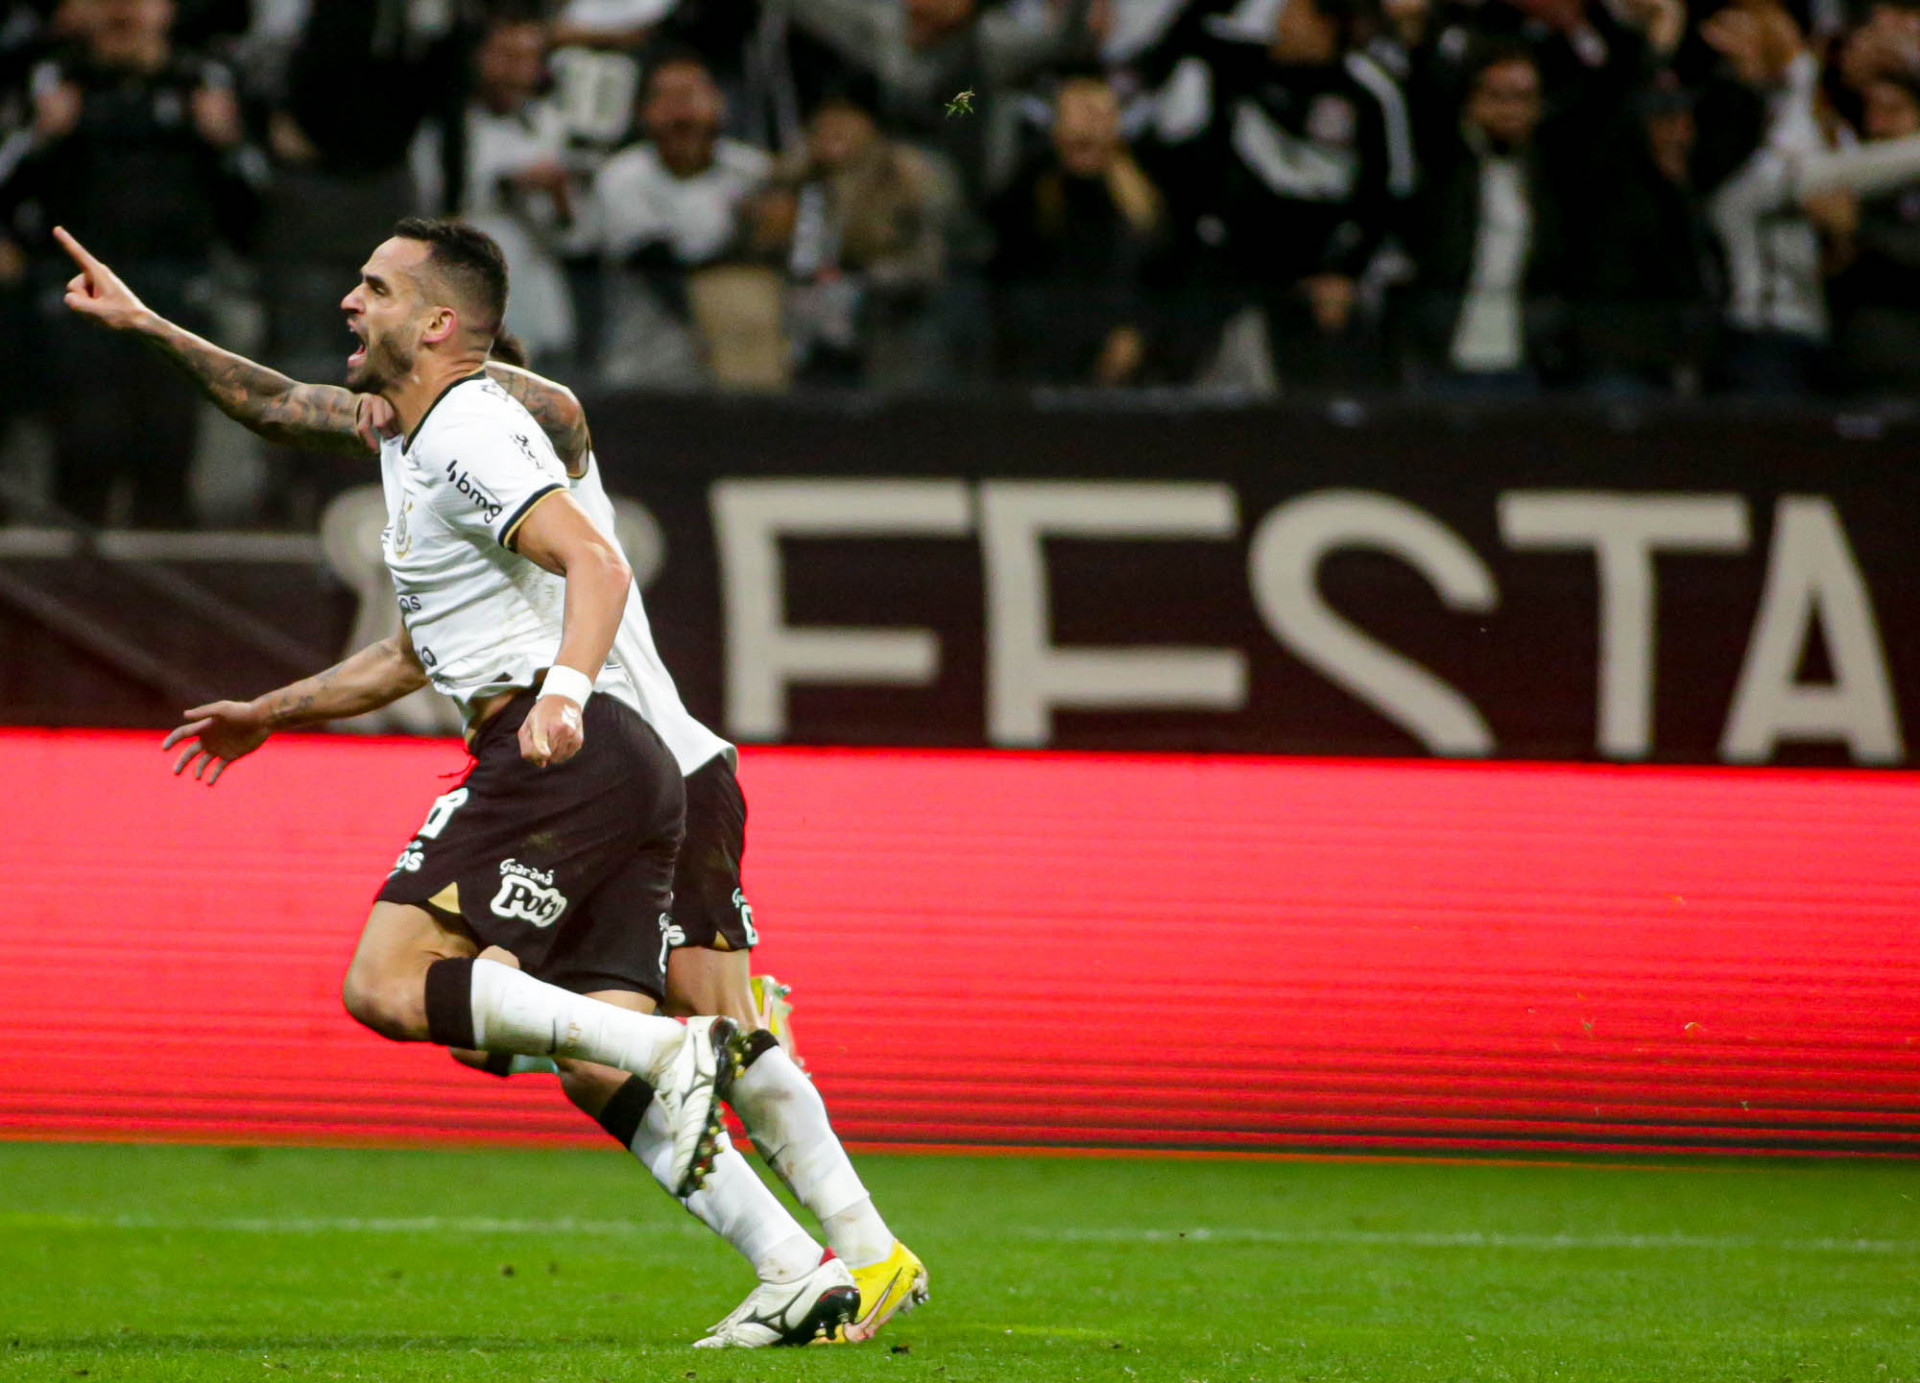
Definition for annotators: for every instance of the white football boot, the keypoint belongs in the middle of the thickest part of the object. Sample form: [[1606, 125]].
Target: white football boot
[[690, 1089], [808, 1309]]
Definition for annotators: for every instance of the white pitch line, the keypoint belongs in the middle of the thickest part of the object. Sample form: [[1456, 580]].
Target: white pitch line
[[1470, 1239], [351, 1224], [1283, 1238]]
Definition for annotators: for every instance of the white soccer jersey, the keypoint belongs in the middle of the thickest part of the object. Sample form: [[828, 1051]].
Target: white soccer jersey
[[648, 686], [482, 618]]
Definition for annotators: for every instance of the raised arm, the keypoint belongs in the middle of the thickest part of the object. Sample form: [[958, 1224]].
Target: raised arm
[[319, 417], [221, 731]]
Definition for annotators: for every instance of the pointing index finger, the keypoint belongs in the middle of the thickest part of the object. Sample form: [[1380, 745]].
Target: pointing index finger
[[80, 253]]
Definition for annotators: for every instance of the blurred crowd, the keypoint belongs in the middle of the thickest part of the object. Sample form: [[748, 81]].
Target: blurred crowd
[[1631, 198]]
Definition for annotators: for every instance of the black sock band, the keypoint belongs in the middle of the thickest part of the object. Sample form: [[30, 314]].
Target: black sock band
[[759, 1042], [450, 1003], [499, 1064], [621, 1118]]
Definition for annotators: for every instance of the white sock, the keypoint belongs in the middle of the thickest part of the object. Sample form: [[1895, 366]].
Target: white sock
[[858, 1234], [788, 1120], [735, 1204], [514, 1012]]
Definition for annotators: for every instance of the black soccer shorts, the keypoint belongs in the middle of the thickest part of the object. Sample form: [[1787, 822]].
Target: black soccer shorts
[[569, 867], [709, 908]]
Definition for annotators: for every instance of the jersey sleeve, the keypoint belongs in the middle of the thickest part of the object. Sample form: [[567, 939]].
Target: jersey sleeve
[[487, 469]]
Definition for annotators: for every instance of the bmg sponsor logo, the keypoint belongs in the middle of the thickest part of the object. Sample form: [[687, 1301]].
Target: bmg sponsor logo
[[482, 497]]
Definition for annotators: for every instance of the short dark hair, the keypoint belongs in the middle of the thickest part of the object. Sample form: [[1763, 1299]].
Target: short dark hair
[[1498, 52], [511, 14], [848, 91], [470, 261], [509, 349], [672, 54]]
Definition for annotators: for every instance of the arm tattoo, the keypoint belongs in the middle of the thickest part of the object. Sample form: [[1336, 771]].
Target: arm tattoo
[[289, 705], [318, 417], [553, 406], [374, 676]]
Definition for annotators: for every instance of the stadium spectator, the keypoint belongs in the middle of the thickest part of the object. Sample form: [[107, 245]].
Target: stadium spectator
[[1589, 55], [596, 66], [1652, 285], [1777, 311], [1077, 234], [518, 186], [341, 88], [141, 145], [925, 53], [1885, 46], [667, 209], [863, 218], [343, 162], [1630, 197], [1282, 159], [1876, 247], [1488, 239]]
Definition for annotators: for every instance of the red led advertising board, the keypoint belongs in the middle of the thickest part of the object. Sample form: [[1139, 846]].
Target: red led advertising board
[[1234, 954]]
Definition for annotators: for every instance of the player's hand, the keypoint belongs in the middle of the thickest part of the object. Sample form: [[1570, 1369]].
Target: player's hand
[[374, 419], [215, 735], [552, 732], [96, 291]]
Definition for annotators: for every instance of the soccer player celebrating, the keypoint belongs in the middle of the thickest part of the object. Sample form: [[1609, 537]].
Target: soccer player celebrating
[[708, 971], [408, 306]]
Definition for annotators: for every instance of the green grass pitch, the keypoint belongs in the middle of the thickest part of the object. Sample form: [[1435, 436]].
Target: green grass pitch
[[160, 1263]]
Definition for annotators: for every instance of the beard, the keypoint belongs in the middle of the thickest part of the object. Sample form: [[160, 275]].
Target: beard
[[385, 360]]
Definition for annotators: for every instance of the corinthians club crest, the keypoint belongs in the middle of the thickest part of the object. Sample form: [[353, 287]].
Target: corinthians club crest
[[400, 534]]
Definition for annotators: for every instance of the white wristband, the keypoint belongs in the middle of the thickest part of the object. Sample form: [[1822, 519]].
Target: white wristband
[[571, 683]]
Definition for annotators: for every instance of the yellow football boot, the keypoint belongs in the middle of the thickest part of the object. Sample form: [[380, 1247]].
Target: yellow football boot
[[775, 1011], [892, 1287]]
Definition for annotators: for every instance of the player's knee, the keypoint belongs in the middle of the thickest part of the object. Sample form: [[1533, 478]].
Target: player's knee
[[392, 1008], [361, 995]]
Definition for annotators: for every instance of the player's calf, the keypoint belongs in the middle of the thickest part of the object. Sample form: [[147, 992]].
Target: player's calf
[[788, 1121], [591, 1088]]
